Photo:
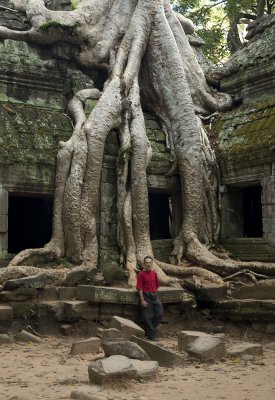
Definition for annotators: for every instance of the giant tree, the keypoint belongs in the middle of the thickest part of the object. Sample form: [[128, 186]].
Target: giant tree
[[143, 47]]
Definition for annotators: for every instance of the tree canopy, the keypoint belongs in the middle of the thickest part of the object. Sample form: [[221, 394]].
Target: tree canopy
[[221, 23]]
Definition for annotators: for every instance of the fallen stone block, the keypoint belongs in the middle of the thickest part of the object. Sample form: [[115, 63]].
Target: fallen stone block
[[241, 349], [207, 348], [111, 368], [28, 337], [127, 327], [124, 348], [6, 313], [165, 358], [146, 370], [109, 333], [85, 346], [6, 339], [187, 337]]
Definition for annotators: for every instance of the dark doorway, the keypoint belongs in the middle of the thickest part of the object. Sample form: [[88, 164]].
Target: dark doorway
[[30, 222], [252, 211], [160, 216]]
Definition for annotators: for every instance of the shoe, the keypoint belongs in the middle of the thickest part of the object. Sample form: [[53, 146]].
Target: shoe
[[153, 339]]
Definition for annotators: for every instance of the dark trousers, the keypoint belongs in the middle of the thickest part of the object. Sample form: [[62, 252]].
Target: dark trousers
[[152, 314]]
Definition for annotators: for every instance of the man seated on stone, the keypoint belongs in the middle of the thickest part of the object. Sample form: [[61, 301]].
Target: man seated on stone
[[152, 311]]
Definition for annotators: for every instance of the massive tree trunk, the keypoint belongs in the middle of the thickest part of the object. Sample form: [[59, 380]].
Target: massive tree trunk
[[143, 47]]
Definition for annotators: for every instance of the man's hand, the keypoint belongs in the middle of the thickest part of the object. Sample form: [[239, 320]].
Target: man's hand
[[144, 303]]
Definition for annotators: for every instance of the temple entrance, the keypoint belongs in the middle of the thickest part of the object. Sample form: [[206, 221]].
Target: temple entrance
[[160, 216], [252, 212], [29, 222], [242, 212]]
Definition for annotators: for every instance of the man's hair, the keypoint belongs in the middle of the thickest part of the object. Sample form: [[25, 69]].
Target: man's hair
[[145, 258]]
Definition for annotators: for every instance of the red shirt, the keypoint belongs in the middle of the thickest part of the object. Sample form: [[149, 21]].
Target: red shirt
[[148, 281]]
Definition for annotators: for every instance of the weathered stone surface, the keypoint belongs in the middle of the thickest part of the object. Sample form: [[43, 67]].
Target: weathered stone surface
[[124, 348], [23, 309], [126, 326], [187, 337], [6, 339], [35, 282], [207, 348], [270, 328], [17, 295], [245, 309], [85, 346], [48, 293], [164, 357], [108, 333], [210, 292], [76, 309], [67, 293], [241, 349], [146, 369], [25, 336], [110, 368], [6, 313], [53, 308], [270, 346], [102, 294], [256, 292], [67, 329]]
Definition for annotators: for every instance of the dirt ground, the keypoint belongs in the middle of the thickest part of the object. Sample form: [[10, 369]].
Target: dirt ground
[[47, 371]]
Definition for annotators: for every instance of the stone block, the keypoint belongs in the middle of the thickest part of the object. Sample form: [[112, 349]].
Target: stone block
[[48, 293], [185, 338], [256, 292], [109, 333], [270, 328], [211, 292], [241, 349], [146, 370], [3, 223], [6, 313], [110, 369], [67, 330], [56, 310], [25, 336], [67, 293], [17, 295], [76, 309], [33, 282], [127, 327], [23, 309], [106, 311], [207, 348], [124, 348], [6, 339], [165, 358], [85, 346]]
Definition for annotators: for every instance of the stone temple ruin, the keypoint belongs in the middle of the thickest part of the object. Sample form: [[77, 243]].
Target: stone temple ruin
[[35, 85]]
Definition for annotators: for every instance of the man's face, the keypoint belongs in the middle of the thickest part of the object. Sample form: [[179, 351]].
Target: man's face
[[148, 264]]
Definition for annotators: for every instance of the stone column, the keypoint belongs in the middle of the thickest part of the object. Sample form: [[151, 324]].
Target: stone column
[[3, 219]]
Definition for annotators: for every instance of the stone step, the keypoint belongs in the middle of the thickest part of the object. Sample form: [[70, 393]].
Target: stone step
[[6, 312], [245, 310], [256, 292]]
